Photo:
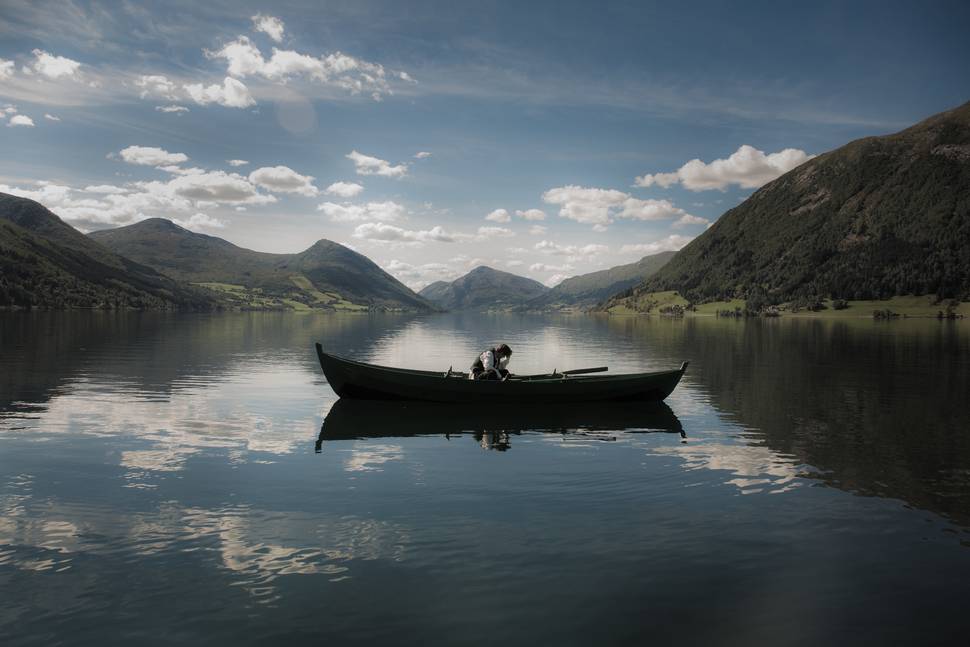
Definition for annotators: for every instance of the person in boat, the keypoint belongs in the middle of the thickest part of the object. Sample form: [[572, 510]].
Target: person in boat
[[492, 364]]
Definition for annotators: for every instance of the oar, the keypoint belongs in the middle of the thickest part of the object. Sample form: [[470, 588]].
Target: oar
[[582, 371]]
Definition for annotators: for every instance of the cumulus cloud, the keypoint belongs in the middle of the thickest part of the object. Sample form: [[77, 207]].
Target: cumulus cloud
[[531, 214], [336, 69], [237, 162], [514, 263], [420, 155], [105, 188], [599, 207], [747, 167], [537, 230], [272, 27], [384, 233], [151, 156], [53, 67], [494, 232], [218, 187], [544, 267], [97, 206], [344, 189], [8, 109], [671, 243], [383, 211], [573, 251], [688, 219], [200, 221], [20, 120], [172, 108], [499, 215], [555, 280], [6, 69], [231, 94], [418, 276], [367, 165], [156, 85], [283, 179], [51, 117]]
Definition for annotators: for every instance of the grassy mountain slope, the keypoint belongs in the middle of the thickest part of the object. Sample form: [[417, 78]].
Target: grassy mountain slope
[[44, 262], [881, 216], [587, 290], [327, 275], [484, 289]]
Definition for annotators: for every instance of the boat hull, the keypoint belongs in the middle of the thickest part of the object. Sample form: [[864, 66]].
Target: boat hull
[[357, 380]]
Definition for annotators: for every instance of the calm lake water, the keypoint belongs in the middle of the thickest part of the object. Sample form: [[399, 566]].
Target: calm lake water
[[188, 479]]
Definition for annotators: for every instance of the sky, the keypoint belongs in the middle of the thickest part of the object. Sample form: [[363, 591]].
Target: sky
[[548, 139]]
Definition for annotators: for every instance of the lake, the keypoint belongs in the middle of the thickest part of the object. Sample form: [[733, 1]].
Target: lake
[[171, 479]]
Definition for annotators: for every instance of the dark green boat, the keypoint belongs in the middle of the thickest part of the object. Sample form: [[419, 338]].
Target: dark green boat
[[351, 379]]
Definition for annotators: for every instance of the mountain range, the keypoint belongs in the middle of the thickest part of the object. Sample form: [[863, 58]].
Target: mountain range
[[44, 262], [878, 217], [325, 276]]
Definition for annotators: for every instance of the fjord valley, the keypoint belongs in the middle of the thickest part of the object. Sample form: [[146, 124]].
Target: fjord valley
[[878, 218]]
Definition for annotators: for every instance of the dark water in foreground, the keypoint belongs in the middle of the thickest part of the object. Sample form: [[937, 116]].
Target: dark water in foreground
[[160, 484]]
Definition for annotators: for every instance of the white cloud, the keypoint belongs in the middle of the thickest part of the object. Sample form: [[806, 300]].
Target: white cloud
[[151, 156], [671, 243], [543, 267], [499, 215], [420, 155], [688, 219], [599, 207], [747, 167], [51, 117], [336, 69], [218, 186], [21, 120], [537, 230], [555, 280], [200, 221], [344, 189], [272, 27], [237, 162], [156, 85], [6, 69], [367, 165], [283, 179], [105, 188], [383, 211], [573, 251], [514, 263], [586, 205], [494, 232], [231, 94], [8, 109], [418, 276], [380, 232], [53, 67], [172, 108], [532, 214]]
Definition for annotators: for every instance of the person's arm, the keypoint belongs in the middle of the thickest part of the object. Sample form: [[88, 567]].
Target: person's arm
[[488, 361]]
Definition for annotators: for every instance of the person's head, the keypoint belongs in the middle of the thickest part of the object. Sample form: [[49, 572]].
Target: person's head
[[503, 350]]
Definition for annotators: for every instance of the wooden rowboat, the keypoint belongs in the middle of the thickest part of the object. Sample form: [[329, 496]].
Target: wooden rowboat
[[352, 379]]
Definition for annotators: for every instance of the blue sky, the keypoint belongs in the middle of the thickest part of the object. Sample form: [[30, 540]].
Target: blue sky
[[547, 139]]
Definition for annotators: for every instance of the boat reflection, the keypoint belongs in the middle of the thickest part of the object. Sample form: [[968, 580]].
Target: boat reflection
[[491, 427]]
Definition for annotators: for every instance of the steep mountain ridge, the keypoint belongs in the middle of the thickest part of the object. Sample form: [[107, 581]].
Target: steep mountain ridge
[[878, 217], [44, 262]]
